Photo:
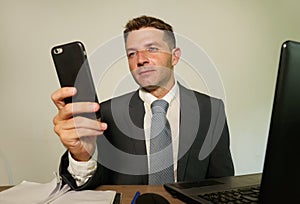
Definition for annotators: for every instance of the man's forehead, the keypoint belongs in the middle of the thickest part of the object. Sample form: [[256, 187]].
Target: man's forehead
[[147, 34]]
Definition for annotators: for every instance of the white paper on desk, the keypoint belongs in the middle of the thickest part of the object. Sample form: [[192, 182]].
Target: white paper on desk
[[37, 193], [28, 192], [87, 196]]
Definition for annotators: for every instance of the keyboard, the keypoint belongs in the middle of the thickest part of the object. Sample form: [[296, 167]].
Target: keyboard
[[240, 195]]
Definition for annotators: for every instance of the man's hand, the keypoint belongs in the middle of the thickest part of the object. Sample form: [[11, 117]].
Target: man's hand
[[78, 134]]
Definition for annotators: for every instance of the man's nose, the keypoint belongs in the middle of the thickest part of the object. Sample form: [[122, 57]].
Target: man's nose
[[142, 58]]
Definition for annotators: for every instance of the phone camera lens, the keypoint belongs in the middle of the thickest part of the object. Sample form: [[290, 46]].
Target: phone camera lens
[[58, 51]]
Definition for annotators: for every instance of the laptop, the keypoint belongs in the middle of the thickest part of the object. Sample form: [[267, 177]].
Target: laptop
[[280, 180]]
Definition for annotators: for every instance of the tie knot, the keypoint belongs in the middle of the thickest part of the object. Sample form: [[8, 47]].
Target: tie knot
[[159, 106]]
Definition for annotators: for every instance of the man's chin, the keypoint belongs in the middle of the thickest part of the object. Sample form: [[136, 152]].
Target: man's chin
[[149, 88]]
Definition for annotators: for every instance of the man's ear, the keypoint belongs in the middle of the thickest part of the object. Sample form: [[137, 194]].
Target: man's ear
[[176, 54]]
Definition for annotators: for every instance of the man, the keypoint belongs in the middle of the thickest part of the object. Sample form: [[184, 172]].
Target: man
[[123, 137]]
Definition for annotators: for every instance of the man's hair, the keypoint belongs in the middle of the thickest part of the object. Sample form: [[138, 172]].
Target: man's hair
[[148, 21]]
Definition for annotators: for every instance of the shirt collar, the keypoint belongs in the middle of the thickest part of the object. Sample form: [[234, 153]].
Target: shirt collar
[[148, 98]]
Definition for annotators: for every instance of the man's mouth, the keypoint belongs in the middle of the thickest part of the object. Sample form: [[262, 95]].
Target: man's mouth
[[145, 71]]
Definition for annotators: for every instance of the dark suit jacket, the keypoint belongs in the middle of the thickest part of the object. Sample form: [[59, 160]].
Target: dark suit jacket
[[203, 142]]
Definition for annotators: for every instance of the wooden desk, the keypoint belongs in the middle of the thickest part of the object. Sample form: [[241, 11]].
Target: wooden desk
[[128, 191], [2, 188]]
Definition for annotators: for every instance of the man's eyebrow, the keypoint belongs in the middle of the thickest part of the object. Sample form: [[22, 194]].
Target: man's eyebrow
[[147, 45], [152, 43], [130, 49]]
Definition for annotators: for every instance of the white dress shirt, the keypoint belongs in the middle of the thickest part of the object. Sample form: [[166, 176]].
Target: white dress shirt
[[172, 115], [82, 171]]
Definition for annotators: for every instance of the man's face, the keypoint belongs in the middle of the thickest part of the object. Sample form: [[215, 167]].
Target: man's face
[[150, 59]]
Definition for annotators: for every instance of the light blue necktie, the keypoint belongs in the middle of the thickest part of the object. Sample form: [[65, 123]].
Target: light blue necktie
[[161, 151]]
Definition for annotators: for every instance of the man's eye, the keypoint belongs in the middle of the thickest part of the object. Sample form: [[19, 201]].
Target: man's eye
[[152, 49], [131, 54]]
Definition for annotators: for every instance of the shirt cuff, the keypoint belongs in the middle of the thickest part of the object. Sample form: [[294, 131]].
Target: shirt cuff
[[81, 171]]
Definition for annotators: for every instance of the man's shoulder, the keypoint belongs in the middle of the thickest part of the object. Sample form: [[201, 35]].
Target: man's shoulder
[[188, 92]]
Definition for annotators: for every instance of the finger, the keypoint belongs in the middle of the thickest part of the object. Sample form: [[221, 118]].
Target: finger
[[59, 95], [75, 134], [83, 122], [85, 107], [71, 109], [93, 127], [71, 137], [87, 132]]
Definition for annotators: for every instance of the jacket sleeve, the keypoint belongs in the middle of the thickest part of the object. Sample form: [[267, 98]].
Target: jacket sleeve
[[220, 160], [67, 178]]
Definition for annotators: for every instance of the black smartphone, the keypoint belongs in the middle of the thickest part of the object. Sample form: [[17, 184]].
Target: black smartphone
[[73, 70]]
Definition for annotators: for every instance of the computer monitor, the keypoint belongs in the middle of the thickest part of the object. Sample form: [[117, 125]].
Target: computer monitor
[[281, 175], [280, 180]]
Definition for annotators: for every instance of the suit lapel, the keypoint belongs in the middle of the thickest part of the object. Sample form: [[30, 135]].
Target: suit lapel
[[137, 113], [189, 124]]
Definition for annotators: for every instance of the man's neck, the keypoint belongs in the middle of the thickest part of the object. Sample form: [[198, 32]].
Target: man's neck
[[160, 91]]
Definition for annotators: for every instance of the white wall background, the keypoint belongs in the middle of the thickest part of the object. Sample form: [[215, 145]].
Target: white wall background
[[241, 37]]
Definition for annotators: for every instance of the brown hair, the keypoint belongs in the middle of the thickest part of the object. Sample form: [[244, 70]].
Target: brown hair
[[148, 21]]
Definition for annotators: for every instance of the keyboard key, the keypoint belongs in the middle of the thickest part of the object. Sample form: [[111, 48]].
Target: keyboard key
[[242, 195]]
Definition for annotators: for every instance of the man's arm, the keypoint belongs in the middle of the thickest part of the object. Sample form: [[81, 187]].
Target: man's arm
[[81, 171], [220, 160], [78, 134], [92, 182]]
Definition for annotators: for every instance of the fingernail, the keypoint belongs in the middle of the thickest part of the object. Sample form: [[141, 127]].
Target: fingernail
[[95, 106], [73, 90], [103, 125]]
